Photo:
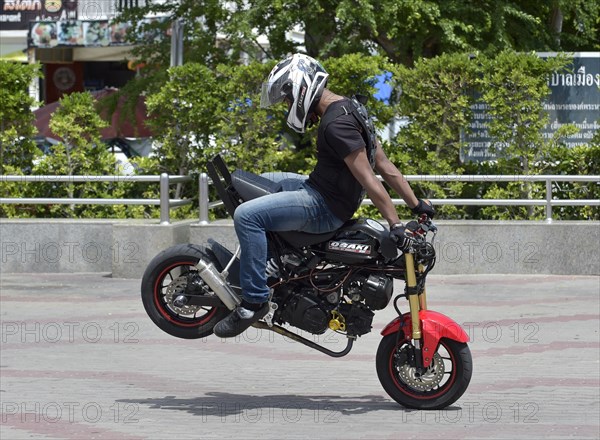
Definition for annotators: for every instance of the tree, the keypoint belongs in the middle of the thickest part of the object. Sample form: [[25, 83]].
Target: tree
[[439, 51], [402, 30], [514, 86], [436, 100], [574, 25], [78, 123], [17, 148], [81, 152]]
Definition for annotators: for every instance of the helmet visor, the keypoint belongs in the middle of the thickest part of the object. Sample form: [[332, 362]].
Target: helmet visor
[[274, 92]]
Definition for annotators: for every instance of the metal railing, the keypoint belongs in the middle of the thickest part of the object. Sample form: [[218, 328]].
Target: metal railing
[[164, 200], [205, 205], [548, 201]]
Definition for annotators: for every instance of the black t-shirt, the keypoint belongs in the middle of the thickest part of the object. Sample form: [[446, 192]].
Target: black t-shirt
[[331, 177]]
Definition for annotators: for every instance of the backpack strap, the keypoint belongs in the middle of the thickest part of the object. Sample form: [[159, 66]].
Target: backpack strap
[[357, 109], [369, 134], [329, 117]]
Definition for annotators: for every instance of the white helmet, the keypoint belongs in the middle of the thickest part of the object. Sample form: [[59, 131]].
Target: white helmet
[[299, 78]]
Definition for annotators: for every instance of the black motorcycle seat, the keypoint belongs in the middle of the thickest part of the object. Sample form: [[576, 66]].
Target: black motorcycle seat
[[251, 186]]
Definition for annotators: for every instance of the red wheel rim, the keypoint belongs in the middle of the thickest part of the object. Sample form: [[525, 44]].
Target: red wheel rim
[[170, 316]]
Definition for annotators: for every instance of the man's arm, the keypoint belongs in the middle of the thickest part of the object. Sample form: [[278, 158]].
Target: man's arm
[[358, 163], [394, 178]]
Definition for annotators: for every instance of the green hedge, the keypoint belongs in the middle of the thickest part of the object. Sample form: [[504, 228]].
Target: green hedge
[[199, 112]]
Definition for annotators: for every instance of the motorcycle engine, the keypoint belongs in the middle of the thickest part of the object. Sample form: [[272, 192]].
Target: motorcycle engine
[[376, 290], [304, 310]]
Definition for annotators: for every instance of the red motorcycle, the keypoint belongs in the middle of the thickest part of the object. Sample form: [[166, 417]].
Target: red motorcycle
[[319, 282]]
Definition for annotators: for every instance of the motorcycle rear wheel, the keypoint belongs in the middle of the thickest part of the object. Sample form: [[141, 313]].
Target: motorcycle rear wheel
[[441, 385], [165, 278]]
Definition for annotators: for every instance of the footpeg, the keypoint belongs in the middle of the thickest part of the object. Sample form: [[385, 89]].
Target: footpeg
[[270, 314]]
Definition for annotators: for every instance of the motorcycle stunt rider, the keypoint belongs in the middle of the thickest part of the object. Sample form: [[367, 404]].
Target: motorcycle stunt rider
[[348, 155]]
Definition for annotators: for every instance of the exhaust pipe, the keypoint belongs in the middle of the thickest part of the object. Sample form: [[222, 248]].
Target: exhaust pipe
[[211, 276]]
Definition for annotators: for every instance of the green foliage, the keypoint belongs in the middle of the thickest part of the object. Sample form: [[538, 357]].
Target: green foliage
[[17, 150], [580, 25], [201, 110], [80, 153], [402, 30], [514, 87], [557, 160], [76, 121], [436, 101], [249, 136], [356, 73], [580, 160], [204, 21], [183, 115]]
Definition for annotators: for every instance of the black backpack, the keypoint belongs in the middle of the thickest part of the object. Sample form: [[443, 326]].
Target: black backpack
[[360, 113]]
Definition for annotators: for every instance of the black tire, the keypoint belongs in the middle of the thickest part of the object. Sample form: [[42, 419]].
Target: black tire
[[394, 372], [166, 274]]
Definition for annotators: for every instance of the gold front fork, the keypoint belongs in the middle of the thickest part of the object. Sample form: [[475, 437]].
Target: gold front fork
[[423, 295], [413, 297]]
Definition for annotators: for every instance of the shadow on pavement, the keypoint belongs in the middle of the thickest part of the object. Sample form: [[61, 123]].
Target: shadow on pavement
[[216, 404]]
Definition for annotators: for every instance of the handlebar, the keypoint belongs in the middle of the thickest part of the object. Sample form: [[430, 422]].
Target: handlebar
[[413, 236], [427, 224], [422, 247], [423, 225]]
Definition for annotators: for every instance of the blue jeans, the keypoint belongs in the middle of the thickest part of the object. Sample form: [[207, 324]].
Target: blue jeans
[[298, 207]]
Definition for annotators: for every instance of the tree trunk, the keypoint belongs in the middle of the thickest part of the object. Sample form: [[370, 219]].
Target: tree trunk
[[555, 22], [392, 49], [2, 149], [70, 185], [526, 188], [318, 34]]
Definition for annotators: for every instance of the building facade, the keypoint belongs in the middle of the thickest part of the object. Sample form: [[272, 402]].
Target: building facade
[[76, 42]]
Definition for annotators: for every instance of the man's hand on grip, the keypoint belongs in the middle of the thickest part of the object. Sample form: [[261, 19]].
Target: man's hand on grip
[[424, 207], [401, 237]]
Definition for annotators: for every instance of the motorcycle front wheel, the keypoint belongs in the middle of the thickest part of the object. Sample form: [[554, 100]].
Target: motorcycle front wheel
[[439, 386], [166, 278]]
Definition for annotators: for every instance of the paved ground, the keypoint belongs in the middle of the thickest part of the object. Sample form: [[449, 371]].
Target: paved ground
[[81, 360]]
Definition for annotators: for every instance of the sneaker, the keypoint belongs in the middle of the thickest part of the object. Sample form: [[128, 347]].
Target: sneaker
[[238, 321]]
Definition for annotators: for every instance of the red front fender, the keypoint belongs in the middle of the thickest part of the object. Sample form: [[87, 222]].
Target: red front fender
[[434, 326]]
